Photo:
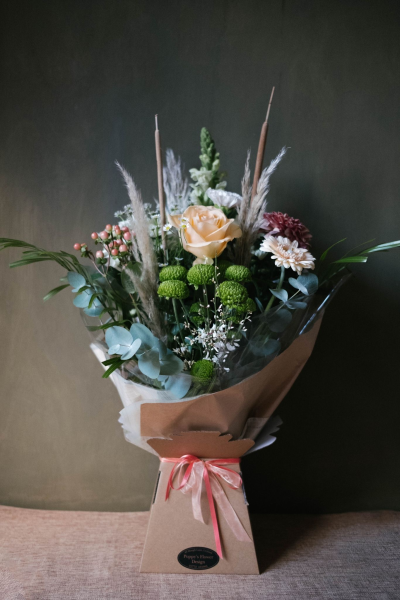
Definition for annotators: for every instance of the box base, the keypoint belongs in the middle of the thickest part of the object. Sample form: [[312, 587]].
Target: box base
[[177, 543]]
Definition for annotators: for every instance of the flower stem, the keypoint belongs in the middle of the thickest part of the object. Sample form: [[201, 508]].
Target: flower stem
[[177, 320], [272, 299], [135, 306], [205, 295], [185, 314]]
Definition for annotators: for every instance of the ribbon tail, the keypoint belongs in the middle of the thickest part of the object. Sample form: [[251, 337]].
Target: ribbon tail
[[228, 511], [196, 483], [213, 513]]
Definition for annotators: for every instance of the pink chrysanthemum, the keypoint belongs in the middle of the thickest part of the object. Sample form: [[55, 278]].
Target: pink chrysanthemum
[[277, 223]]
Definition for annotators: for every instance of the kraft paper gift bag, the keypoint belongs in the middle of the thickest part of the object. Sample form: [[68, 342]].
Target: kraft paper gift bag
[[177, 542]]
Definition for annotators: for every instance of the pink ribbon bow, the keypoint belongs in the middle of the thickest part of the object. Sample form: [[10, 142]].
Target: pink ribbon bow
[[211, 471]]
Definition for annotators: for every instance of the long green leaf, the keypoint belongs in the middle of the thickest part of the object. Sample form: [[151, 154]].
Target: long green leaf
[[26, 261], [324, 254], [106, 326], [351, 259], [111, 361], [382, 247], [55, 291], [358, 246], [112, 369]]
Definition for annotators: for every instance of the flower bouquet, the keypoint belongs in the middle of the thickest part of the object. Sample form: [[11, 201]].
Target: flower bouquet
[[203, 309]]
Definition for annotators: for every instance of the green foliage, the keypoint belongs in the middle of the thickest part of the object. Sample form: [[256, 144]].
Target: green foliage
[[360, 257], [126, 281], [325, 254], [232, 293], [197, 314], [202, 369], [201, 275], [33, 254], [238, 273], [173, 273], [173, 289], [55, 291]]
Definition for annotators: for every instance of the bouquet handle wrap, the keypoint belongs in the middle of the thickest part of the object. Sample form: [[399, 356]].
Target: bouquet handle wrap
[[207, 527], [229, 409]]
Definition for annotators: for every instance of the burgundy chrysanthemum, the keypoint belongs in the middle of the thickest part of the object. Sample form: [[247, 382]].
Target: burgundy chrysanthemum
[[277, 223]]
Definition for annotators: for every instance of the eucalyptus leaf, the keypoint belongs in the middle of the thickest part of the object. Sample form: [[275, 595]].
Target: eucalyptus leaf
[[280, 294], [294, 304], [171, 364], [118, 336], [298, 286], [279, 320], [163, 350], [178, 385], [116, 349], [120, 341], [307, 283], [149, 363], [131, 351], [76, 281], [141, 331], [259, 305], [261, 347], [82, 299], [95, 310]]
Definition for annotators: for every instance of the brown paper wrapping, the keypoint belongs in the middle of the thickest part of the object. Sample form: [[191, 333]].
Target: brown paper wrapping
[[228, 410], [173, 532]]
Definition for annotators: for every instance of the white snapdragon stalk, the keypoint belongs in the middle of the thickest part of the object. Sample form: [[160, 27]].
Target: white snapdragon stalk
[[203, 178]]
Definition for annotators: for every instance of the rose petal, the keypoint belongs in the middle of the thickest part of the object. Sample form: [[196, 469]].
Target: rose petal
[[175, 220]]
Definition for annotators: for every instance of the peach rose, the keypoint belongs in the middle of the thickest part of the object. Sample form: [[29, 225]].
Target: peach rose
[[205, 231]]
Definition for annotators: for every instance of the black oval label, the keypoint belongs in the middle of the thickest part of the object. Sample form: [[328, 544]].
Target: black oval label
[[198, 558]]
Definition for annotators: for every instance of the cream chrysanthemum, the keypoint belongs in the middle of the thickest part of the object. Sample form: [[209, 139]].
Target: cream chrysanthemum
[[288, 254]]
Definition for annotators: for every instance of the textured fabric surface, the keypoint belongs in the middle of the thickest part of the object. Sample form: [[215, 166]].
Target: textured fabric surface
[[51, 555]]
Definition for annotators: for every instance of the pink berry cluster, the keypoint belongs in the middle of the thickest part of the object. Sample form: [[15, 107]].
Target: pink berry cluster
[[116, 241]]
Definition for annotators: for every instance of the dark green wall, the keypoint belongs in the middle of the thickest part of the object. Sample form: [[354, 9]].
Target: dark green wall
[[80, 84]]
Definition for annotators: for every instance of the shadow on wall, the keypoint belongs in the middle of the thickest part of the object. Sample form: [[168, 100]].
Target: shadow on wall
[[338, 443]]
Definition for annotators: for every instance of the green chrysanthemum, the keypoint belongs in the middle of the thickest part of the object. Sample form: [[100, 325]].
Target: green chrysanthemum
[[173, 273], [238, 273], [250, 305], [202, 369], [237, 312], [173, 289], [201, 274], [197, 313], [232, 293]]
